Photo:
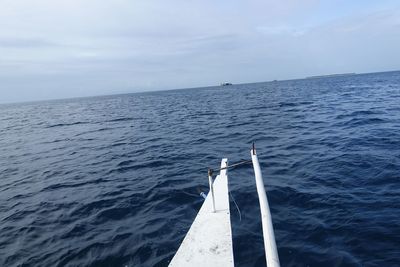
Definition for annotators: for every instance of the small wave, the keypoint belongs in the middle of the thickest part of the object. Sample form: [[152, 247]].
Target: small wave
[[358, 113], [115, 213], [364, 121], [288, 104], [60, 186], [130, 165], [122, 119], [67, 124]]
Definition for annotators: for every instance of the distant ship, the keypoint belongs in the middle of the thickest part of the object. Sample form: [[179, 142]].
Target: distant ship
[[225, 84]]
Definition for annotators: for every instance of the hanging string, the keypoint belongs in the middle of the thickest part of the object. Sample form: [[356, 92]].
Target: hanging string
[[237, 207]]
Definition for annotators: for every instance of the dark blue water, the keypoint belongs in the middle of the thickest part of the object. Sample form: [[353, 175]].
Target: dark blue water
[[115, 181]]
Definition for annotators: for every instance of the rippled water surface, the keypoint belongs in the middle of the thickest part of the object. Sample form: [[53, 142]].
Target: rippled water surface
[[115, 181]]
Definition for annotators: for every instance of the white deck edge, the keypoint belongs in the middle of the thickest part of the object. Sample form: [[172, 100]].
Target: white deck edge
[[209, 239]]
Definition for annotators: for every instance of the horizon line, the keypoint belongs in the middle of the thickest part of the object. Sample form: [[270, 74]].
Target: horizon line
[[321, 76]]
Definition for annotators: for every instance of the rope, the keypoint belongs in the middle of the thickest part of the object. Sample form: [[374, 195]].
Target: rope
[[210, 173], [229, 166], [237, 207]]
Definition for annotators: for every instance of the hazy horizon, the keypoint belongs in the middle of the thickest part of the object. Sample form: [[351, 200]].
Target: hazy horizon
[[197, 87], [65, 49]]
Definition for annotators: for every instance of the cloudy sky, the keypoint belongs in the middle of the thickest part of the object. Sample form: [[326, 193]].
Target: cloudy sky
[[67, 48]]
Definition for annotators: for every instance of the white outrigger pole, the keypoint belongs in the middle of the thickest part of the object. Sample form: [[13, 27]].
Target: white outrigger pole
[[271, 253]]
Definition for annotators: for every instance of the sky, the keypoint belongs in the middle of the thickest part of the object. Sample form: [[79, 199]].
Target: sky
[[69, 48]]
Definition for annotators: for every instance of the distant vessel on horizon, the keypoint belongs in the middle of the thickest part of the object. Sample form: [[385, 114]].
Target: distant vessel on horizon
[[226, 84]]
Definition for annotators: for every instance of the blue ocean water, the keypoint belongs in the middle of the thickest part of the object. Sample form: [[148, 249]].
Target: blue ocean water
[[115, 180]]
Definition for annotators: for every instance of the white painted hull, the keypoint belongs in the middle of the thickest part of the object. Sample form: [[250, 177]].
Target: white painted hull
[[209, 240]]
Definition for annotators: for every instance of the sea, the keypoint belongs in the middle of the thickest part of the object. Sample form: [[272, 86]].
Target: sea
[[116, 180]]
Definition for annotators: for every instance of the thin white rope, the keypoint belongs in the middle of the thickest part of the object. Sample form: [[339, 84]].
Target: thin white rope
[[237, 207]]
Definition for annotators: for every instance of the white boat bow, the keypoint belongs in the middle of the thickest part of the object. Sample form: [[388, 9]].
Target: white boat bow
[[209, 239]]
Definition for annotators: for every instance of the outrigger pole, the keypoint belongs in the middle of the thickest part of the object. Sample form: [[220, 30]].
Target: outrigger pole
[[271, 253]]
